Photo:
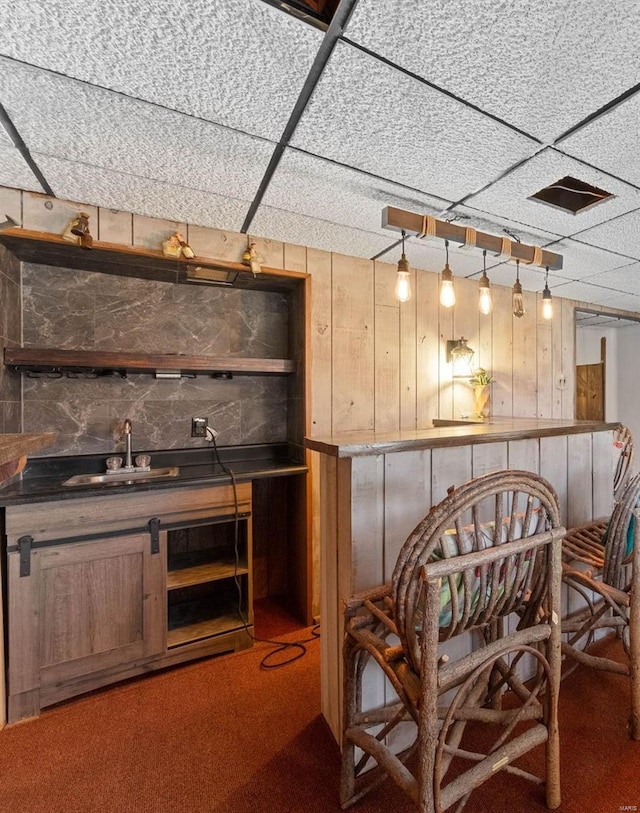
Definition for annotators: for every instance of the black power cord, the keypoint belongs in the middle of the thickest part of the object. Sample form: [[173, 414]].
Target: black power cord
[[281, 646]]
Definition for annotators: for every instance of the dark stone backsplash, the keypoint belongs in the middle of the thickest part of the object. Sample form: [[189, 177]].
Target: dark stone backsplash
[[86, 310], [10, 329]]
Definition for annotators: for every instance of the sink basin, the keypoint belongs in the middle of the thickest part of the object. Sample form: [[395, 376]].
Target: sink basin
[[121, 477]]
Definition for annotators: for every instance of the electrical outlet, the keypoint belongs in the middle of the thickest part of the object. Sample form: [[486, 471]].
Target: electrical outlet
[[199, 427]]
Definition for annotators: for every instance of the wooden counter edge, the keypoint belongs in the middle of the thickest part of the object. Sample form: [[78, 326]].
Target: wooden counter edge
[[443, 437]]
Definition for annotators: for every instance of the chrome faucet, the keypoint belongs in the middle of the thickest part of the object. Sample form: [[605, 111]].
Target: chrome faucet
[[128, 462]]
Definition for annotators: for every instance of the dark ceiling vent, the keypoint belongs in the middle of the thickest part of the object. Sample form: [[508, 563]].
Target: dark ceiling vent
[[571, 195]]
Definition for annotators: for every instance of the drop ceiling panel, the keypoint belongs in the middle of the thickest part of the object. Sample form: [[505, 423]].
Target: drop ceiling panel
[[238, 64], [621, 235], [318, 188], [370, 116], [624, 302], [601, 320], [301, 230], [92, 126], [14, 170], [509, 196], [583, 292], [610, 141], [580, 260], [542, 66], [625, 280], [117, 190]]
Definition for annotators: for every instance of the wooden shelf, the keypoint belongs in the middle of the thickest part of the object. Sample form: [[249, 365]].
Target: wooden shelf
[[113, 258], [45, 360], [204, 629], [201, 574]]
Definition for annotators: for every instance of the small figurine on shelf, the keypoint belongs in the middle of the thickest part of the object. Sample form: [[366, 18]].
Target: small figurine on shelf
[[250, 258], [187, 252], [171, 247], [77, 231]]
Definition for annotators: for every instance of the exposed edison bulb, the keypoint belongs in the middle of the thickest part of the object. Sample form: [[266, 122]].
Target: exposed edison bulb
[[403, 280], [403, 287], [447, 292], [547, 303], [485, 295], [518, 302]]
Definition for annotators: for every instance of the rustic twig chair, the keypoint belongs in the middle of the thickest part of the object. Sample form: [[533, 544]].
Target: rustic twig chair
[[622, 441], [491, 548], [605, 573]]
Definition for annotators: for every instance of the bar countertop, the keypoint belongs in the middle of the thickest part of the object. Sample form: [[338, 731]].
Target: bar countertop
[[358, 444]]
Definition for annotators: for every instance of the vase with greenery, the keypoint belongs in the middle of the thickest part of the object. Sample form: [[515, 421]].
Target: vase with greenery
[[481, 382]]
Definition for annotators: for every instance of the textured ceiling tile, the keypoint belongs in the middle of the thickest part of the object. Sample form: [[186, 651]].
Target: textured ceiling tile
[[241, 64], [624, 302], [500, 226], [368, 115], [580, 260], [509, 197], [116, 190], [5, 140], [14, 171], [621, 235], [541, 65], [318, 188], [105, 129], [610, 141], [298, 229], [583, 292], [625, 280]]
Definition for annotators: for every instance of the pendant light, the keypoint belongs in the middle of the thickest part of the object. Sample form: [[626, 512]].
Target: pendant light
[[403, 279], [547, 303], [518, 302], [484, 287], [447, 293]]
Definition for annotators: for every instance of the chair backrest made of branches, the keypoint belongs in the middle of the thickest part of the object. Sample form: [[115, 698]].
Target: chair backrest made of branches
[[497, 527], [623, 441], [618, 547]]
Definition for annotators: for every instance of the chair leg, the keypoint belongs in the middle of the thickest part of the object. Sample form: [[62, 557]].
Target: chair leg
[[350, 703]]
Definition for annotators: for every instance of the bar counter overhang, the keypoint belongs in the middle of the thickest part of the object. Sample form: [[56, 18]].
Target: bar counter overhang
[[374, 488]]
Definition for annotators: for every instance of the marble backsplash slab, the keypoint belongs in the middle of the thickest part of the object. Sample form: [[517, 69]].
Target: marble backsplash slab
[[87, 310]]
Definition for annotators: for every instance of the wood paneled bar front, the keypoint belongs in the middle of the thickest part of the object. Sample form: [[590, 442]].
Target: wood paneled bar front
[[374, 489]]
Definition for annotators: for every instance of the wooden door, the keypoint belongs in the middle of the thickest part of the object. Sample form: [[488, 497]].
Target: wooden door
[[83, 607], [590, 388]]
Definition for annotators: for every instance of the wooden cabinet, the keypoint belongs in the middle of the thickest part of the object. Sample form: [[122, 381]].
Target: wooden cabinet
[[104, 588]]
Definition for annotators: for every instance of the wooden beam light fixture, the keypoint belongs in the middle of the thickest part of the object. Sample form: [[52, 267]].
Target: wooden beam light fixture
[[414, 224]]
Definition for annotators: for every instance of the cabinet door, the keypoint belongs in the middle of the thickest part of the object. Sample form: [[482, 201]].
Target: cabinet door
[[84, 607]]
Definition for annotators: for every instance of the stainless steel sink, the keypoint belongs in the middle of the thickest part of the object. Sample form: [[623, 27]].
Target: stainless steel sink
[[121, 477]]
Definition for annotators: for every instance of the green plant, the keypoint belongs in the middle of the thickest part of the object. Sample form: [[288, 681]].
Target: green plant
[[481, 378]]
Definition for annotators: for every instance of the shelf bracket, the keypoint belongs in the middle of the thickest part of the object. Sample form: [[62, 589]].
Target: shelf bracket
[[24, 547], [154, 531]]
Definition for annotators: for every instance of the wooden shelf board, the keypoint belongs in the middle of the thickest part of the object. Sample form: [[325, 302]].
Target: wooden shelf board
[[204, 629], [114, 258], [53, 359], [200, 574]]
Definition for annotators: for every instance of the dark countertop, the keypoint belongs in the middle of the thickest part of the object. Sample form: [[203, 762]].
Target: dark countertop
[[43, 476], [357, 444]]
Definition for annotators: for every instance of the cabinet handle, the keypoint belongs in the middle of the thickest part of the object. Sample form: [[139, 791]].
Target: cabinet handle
[[154, 531], [24, 547]]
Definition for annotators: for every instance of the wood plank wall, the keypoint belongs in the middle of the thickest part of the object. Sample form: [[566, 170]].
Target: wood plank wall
[[374, 364]]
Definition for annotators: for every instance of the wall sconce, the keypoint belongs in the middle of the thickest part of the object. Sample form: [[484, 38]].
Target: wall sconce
[[547, 303], [447, 293], [460, 356], [484, 288], [403, 279], [518, 301]]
